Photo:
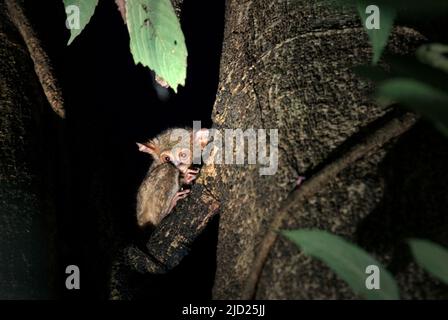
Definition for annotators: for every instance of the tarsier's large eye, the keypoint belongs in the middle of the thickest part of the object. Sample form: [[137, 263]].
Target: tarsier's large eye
[[166, 159], [182, 155]]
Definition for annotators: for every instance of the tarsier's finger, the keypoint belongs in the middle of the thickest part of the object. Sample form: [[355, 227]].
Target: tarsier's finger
[[299, 181], [191, 176], [183, 196], [186, 191]]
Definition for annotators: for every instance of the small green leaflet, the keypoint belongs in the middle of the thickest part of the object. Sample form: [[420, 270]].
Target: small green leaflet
[[347, 260], [427, 72], [418, 84], [432, 257], [78, 13], [418, 96], [378, 37], [435, 55], [157, 40]]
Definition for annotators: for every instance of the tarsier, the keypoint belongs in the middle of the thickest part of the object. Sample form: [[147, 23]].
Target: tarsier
[[171, 170]]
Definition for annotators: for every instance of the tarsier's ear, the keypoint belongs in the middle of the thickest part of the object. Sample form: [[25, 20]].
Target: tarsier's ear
[[202, 137], [149, 147]]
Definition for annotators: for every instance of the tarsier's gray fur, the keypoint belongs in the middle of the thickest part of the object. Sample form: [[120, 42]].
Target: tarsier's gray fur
[[161, 183]]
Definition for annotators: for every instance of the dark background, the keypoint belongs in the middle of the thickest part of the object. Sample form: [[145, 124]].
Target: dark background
[[95, 165]]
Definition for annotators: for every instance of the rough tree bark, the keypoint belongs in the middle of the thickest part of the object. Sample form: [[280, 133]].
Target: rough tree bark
[[27, 216], [287, 65]]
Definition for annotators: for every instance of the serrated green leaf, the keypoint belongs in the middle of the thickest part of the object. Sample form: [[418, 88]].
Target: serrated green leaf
[[432, 103], [378, 37], [157, 40], [431, 257], [347, 260], [86, 9]]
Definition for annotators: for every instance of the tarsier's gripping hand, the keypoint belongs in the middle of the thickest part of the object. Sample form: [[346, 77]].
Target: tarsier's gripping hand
[[179, 196], [189, 176]]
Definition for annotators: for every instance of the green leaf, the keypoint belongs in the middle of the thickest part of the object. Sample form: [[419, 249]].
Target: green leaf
[[413, 68], [157, 40], [410, 8], [432, 103], [347, 260], [78, 13], [432, 257], [405, 67], [435, 55], [378, 37]]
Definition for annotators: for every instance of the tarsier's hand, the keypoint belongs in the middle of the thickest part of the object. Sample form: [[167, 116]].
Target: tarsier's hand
[[299, 181], [179, 196], [190, 175], [187, 178]]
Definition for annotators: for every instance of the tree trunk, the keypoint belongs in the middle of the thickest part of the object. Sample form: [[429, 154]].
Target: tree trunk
[[287, 65], [27, 220]]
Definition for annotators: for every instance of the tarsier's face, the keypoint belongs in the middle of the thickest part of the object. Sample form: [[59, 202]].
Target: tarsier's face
[[175, 146], [180, 157]]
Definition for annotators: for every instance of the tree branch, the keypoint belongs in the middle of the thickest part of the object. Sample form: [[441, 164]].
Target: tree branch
[[41, 61], [170, 242], [393, 128]]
